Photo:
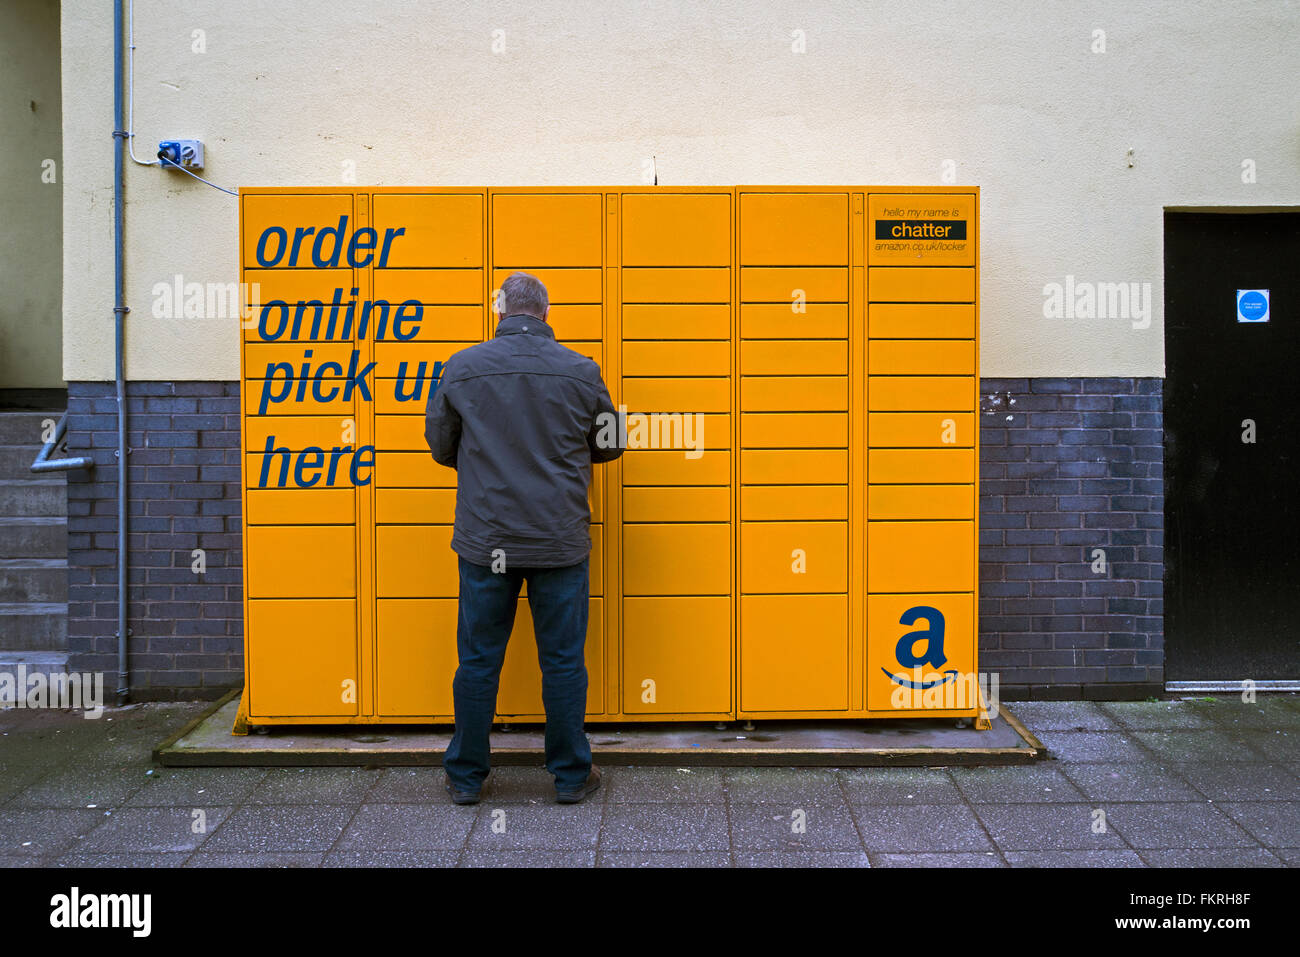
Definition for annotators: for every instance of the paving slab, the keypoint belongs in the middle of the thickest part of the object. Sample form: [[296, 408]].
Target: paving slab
[[551, 827], [770, 827], [663, 859], [153, 830], [1104, 783], [665, 827], [904, 785], [1046, 827], [1172, 826], [1040, 784], [901, 830], [1115, 858], [987, 859], [801, 859]]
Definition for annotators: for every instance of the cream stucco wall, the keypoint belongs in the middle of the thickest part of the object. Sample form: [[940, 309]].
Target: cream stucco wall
[[31, 176], [411, 93]]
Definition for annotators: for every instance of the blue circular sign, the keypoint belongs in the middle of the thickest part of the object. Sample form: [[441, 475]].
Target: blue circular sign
[[1252, 305]]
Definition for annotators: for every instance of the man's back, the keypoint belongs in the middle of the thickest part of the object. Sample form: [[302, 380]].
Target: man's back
[[519, 417]]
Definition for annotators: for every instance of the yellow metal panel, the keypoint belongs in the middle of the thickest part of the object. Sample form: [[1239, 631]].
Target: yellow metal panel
[[920, 556], [794, 285], [676, 285], [791, 502], [331, 385], [684, 503], [920, 393], [302, 658], [928, 320], [411, 470], [676, 229], [412, 399], [302, 470], [676, 560], [415, 506], [520, 691], [794, 393], [818, 320], [563, 286], [794, 357], [919, 466], [546, 229], [297, 432], [676, 358], [441, 230], [794, 466], [794, 229], [415, 561], [292, 212], [793, 557], [940, 633], [778, 430], [920, 429], [921, 357], [295, 506], [415, 657], [258, 356], [672, 467], [677, 395], [400, 433], [389, 357], [921, 501], [570, 322], [920, 284], [288, 561], [676, 321], [676, 655], [435, 287], [914, 229], [794, 653]]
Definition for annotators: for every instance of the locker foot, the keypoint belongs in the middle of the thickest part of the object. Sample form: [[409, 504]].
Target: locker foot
[[720, 726], [748, 726], [506, 728], [963, 722], [259, 729]]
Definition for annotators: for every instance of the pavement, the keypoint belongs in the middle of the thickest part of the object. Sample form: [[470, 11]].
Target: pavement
[[1194, 782]]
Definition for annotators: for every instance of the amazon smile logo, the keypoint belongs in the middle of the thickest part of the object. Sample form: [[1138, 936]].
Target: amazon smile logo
[[950, 675], [921, 680]]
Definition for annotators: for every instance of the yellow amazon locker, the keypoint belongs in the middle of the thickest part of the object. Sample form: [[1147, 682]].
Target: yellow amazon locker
[[806, 549]]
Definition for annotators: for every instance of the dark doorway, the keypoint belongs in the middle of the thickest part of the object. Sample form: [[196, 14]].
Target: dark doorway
[[1232, 524]]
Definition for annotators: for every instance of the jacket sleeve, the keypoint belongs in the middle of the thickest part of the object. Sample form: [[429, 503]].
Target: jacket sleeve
[[442, 423], [608, 431]]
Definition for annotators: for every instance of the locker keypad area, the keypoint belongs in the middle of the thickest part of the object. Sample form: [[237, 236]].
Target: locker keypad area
[[792, 530]]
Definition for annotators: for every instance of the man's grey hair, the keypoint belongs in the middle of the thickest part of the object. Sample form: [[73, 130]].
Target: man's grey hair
[[523, 294]]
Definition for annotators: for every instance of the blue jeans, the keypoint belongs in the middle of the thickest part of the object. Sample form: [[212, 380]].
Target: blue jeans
[[557, 598]]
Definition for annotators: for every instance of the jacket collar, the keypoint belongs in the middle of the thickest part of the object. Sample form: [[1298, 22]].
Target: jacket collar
[[529, 325]]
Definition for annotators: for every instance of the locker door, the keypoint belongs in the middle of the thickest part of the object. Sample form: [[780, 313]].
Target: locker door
[[677, 360], [557, 236], [795, 424]]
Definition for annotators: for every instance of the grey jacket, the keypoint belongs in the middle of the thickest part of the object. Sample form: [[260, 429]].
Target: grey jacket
[[519, 418]]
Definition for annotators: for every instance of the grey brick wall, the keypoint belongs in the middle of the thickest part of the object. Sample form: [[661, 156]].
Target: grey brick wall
[[1068, 466], [187, 629]]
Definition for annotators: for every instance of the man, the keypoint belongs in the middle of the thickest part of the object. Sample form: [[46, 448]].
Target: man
[[521, 418]]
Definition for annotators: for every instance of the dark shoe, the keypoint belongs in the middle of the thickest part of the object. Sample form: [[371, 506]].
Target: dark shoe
[[574, 797], [461, 797]]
